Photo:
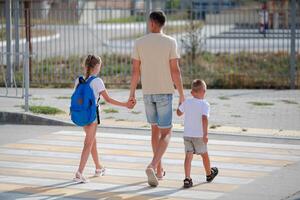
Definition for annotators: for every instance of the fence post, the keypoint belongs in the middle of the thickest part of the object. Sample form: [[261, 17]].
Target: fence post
[[16, 25], [148, 10], [293, 45], [27, 16], [9, 69], [26, 75]]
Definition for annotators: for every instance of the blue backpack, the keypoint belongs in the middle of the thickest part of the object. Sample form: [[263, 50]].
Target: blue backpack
[[83, 109]]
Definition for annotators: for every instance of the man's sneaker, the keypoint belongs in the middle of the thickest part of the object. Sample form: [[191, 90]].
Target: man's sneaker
[[152, 179], [187, 183], [213, 173], [100, 172], [79, 178]]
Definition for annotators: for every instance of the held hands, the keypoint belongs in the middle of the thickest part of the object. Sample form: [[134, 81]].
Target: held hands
[[205, 139], [131, 103]]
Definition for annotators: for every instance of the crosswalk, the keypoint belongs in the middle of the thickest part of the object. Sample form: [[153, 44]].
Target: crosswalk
[[43, 167]]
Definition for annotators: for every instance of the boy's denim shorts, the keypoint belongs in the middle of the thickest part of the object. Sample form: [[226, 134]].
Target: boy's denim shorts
[[159, 109]]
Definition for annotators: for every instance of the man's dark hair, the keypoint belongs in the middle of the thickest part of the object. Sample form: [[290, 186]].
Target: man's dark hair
[[158, 17]]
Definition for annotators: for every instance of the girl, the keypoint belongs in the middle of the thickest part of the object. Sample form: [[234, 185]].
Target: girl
[[92, 67]]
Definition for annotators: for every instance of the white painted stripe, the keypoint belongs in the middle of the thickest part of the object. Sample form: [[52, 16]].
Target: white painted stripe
[[25, 196], [179, 139], [131, 159], [104, 187], [114, 172], [147, 148]]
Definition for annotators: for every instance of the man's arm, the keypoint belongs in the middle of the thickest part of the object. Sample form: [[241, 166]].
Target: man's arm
[[176, 77], [135, 76], [205, 128]]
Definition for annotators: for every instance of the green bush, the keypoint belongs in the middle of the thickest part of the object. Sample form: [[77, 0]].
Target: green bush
[[221, 70]]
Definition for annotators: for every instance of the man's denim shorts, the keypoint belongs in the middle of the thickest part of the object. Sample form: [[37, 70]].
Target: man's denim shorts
[[159, 109]]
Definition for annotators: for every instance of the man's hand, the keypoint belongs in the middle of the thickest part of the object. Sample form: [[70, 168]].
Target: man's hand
[[176, 78], [131, 103], [205, 139]]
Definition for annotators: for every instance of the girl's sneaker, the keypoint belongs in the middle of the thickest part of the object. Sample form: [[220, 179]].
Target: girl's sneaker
[[100, 172], [214, 172], [79, 178], [162, 176], [187, 183]]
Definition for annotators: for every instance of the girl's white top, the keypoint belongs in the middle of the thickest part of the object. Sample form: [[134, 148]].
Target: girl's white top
[[97, 86]]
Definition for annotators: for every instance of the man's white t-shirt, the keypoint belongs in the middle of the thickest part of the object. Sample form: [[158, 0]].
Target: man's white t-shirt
[[193, 110], [97, 86]]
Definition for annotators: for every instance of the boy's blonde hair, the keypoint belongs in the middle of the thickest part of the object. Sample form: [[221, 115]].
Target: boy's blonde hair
[[198, 85]]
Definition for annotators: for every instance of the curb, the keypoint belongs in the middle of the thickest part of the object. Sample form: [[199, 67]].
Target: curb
[[30, 119]]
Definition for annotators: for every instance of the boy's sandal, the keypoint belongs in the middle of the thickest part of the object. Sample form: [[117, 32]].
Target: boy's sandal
[[213, 174], [187, 183]]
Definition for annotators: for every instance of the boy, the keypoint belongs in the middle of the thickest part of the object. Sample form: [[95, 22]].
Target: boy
[[196, 116]]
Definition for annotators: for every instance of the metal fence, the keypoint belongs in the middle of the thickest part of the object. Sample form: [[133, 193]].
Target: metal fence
[[230, 46]]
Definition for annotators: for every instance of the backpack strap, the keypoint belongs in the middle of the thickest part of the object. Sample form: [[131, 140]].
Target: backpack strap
[[90, 79], [97, 111], [98, 100]]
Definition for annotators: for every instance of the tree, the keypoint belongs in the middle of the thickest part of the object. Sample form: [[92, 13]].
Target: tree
[[192, 42]]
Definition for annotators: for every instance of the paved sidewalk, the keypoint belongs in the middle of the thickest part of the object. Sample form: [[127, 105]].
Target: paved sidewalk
[[242, 112], [42, 167]]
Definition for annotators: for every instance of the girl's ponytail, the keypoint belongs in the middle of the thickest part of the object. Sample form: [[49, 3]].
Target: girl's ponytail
[[90, 62]]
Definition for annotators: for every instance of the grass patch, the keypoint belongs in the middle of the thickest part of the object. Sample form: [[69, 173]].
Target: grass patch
[[130, 19], [223, 98], [37, 98], [172, 16], [46, 110], [120, 120], [110, 110], [236, 116], [257, 103], [214, 126], [136, 112], [110, 117], [168, 29], [63, 97], [102, 102], [289, 101]]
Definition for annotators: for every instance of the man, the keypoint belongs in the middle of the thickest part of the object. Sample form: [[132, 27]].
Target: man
[[155, 60]]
